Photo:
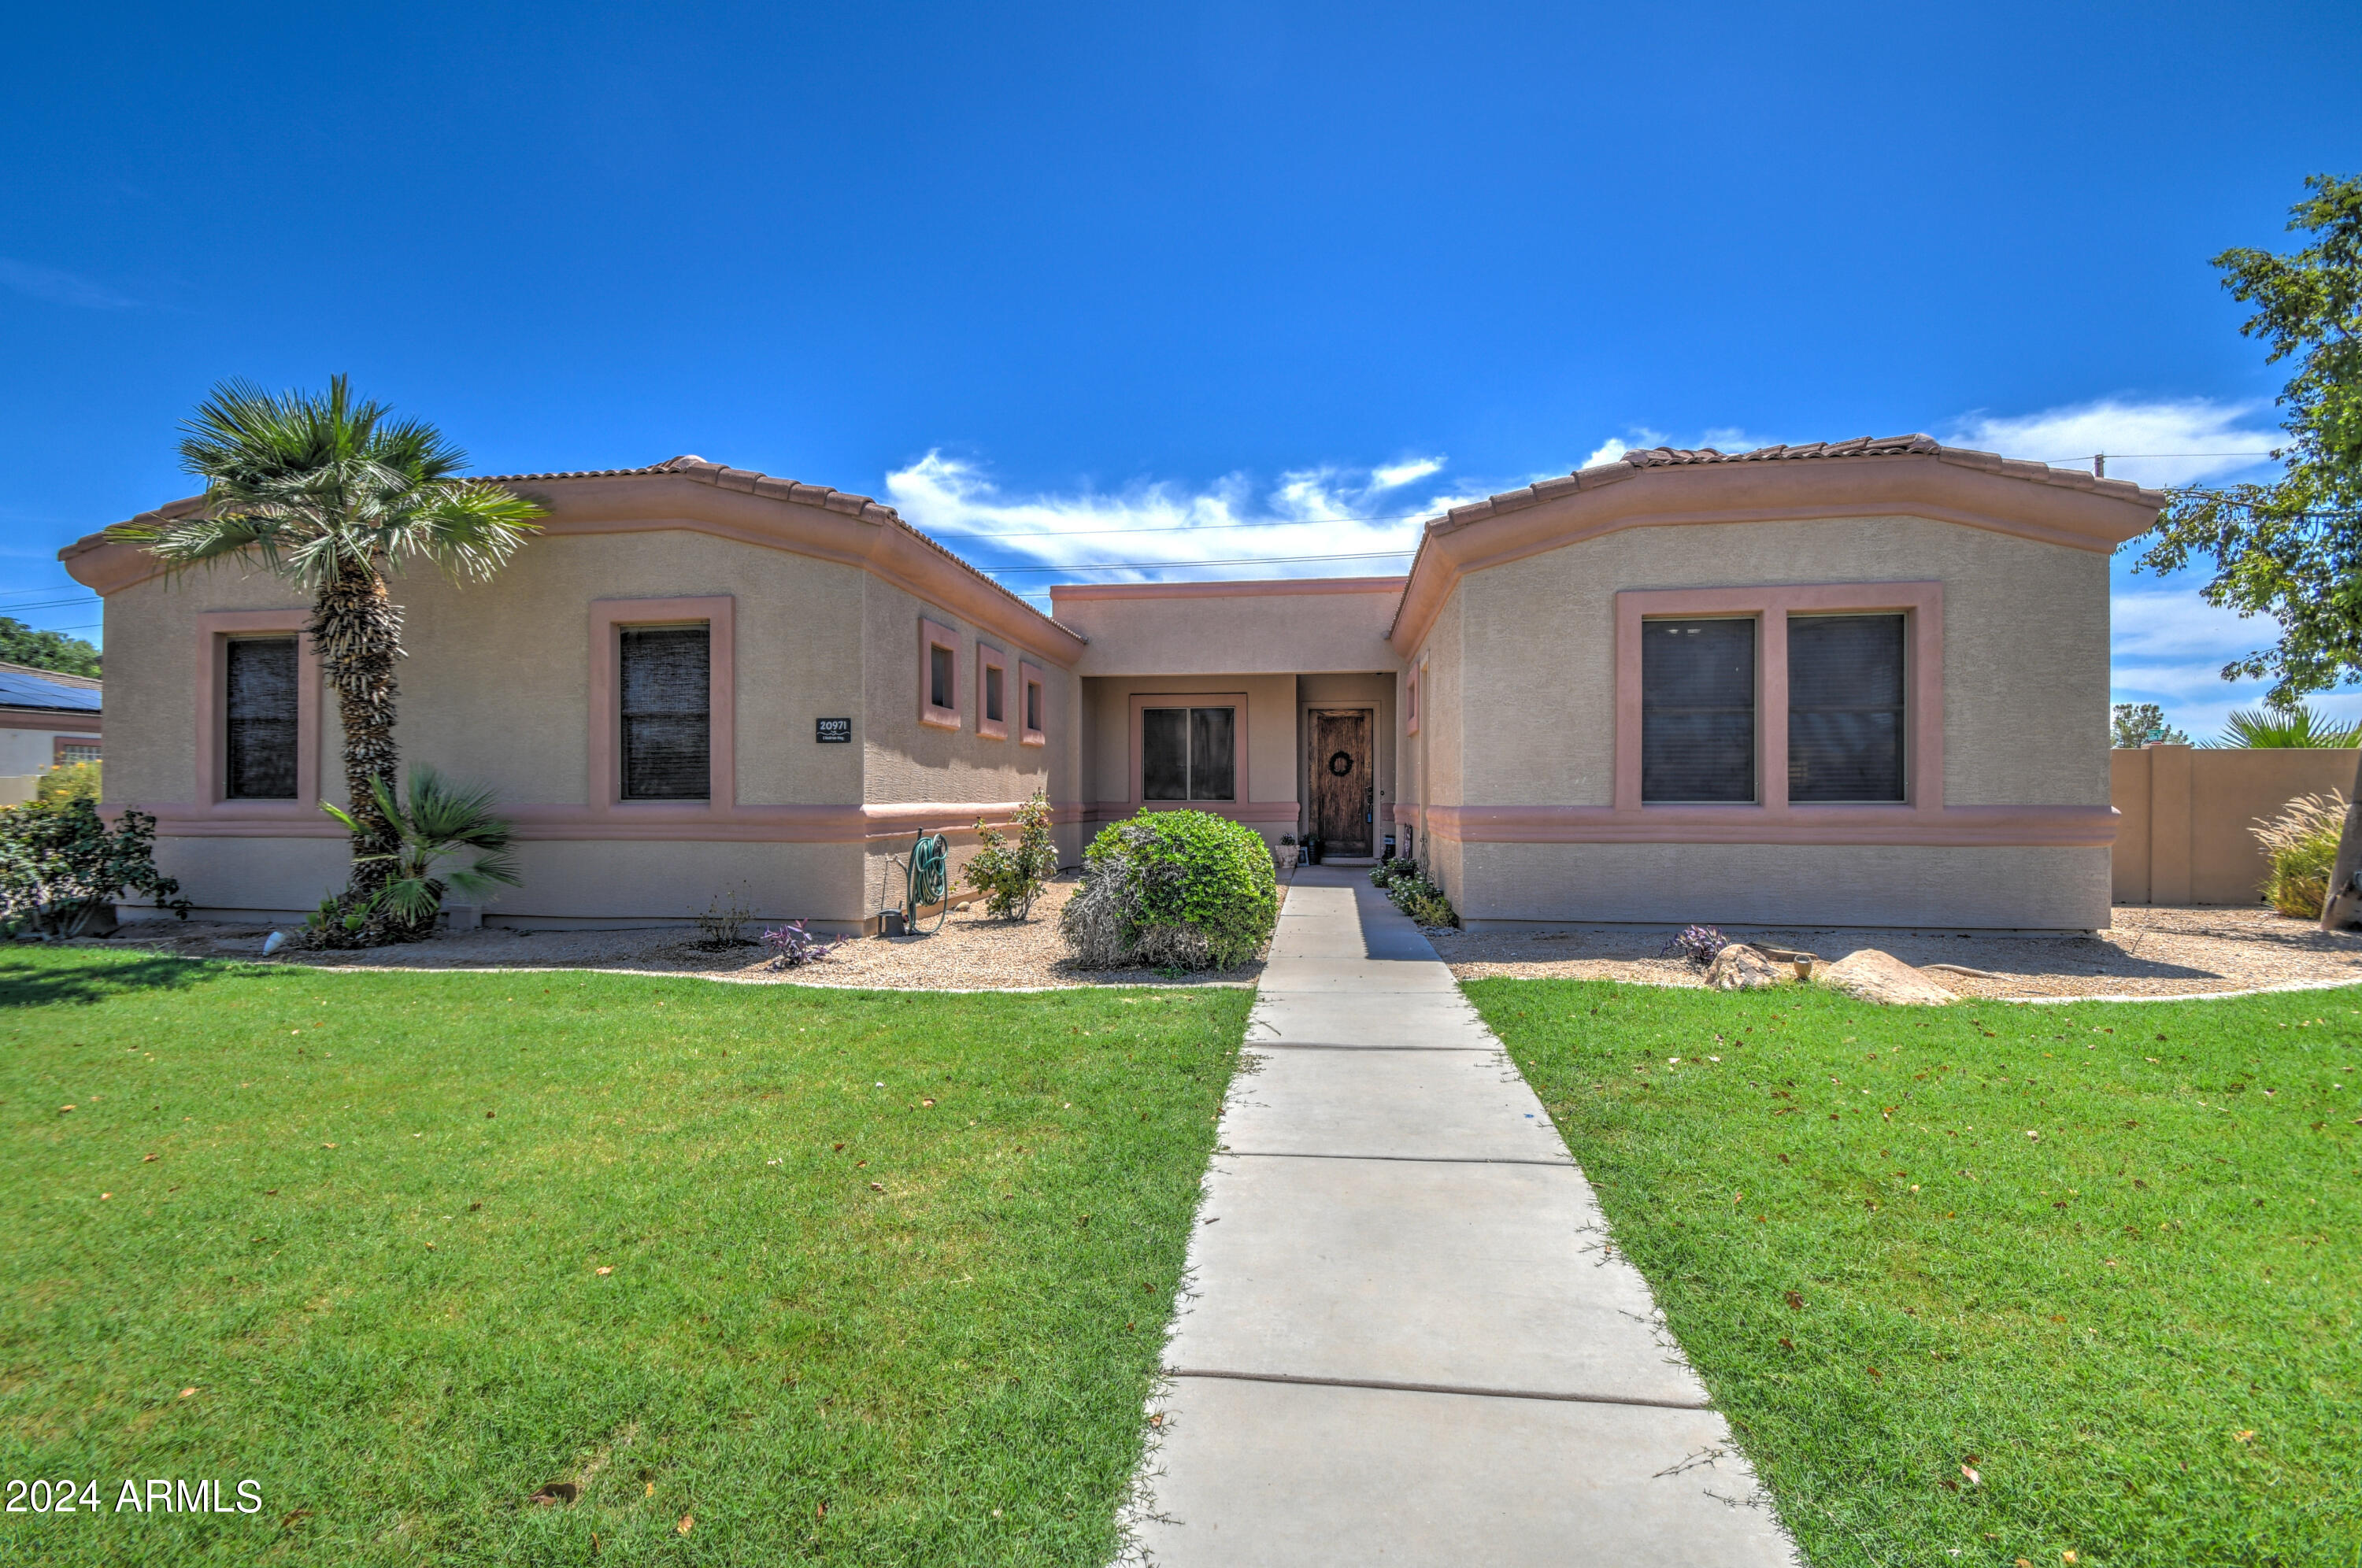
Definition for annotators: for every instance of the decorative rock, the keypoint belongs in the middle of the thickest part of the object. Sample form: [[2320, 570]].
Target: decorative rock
[[1739, 967], [1873, 975]]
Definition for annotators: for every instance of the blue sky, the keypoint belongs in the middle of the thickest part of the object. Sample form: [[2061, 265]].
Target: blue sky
[[1121, 278]]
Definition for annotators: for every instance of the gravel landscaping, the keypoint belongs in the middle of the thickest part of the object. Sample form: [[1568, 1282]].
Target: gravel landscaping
[[970, 953], [2149, 952]]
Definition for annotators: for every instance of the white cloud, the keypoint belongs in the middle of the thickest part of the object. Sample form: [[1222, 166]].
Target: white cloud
[[2177, 441], [59, 288], [2169, 646], [1157, 527]]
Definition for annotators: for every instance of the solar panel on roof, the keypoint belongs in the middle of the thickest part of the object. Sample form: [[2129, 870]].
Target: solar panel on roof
[[18, 689]]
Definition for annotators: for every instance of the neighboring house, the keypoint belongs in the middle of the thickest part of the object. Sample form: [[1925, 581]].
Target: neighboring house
[[47, 720], [1862, 683]]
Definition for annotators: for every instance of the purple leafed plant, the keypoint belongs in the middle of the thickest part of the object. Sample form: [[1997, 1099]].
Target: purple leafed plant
[[792, 946], [1698, 944]]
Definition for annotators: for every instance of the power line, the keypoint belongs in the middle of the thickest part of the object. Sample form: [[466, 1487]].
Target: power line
[[1192, 527], [82, 603]]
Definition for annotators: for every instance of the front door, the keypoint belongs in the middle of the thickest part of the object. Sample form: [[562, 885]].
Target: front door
[[1344, 794]]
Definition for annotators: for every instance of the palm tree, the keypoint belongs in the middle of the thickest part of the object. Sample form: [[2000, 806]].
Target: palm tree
[[440, 820], [2300, 726], [331, 495]]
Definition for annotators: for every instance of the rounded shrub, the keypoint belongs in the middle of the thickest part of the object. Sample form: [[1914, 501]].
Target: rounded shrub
[[1173, 890]]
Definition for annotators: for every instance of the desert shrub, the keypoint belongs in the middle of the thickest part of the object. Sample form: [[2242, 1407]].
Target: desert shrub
[[76, 779], [1698, 944], [2301, 846], [62, 869], [439, 821], [792, 946], [1386, 871], [1173, 890], [1009, 876]]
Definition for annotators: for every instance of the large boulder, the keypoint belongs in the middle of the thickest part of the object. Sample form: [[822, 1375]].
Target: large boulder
[[1739, 967], [1878, 977]]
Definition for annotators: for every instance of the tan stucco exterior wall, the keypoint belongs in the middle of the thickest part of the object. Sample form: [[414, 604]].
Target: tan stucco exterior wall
[[1271, 739], [2188, 812], [1523, 655], [1266, 630]]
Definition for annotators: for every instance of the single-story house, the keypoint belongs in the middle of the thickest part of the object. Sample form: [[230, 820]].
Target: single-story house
[[1862, 683], [47, 720]]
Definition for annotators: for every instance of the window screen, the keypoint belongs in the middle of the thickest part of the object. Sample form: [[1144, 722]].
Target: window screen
[[668, 718], [1697, 710], [1844, 708], [1188, 754], [939, 676], [993, 680], [262, 739]]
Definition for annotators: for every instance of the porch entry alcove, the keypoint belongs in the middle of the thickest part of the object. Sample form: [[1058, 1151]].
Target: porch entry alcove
[[1344, 793]]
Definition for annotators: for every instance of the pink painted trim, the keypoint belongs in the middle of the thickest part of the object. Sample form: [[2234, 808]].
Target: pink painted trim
[[2051, 826], [933, 634], [1254, 588], [214, 629], [986, 726], [1923, 764], [1145, 700], [604, 720], [1030, 676], [666, 824], [1410, 697]]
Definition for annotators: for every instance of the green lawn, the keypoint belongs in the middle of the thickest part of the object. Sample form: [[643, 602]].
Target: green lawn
[[2137, 1327], [772, 1274]]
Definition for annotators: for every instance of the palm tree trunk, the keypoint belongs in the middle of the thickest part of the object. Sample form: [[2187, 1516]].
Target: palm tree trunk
[[357, 631]]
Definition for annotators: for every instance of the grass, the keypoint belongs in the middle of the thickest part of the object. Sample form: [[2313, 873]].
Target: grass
[[770, 1275], [2104, 1256]]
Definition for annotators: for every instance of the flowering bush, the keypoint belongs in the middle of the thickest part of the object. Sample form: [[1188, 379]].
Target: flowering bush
[[1698, 944], [792, 946], [1011, 875], [1411, 891]]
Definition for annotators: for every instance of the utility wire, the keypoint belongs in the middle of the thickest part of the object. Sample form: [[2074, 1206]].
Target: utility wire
[[1157, 565]]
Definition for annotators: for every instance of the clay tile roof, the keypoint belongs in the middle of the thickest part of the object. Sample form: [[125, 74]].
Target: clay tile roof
[[1860, 447], [670, 464]]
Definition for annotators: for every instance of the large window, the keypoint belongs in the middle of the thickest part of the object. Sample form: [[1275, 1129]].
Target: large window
[[668, 726], [260, 730], [1188, 754], [1697, 710], [1844, 708]]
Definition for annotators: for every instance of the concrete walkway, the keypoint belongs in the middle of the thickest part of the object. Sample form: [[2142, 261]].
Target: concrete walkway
[[1406, 1340]]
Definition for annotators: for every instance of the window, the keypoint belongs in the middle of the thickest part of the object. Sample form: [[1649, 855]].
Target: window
[[991, 693], [1035, 731], [1844, 708], [668, 731], [67, 750], [260, 728], [938, 675], [1188, 754], [1697, 710]]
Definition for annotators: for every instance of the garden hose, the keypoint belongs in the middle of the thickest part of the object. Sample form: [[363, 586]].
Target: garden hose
[[929, 881]]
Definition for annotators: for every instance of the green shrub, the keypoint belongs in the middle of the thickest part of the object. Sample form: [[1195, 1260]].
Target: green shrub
[[76, 779], [1011, 875], [62, 869], [1413, 894], [1180, 889], [2301, 846]]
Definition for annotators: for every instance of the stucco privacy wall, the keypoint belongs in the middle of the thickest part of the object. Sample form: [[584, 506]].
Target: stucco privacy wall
[[2185, 837]]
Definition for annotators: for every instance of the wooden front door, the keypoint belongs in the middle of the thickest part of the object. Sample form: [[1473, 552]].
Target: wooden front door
[[1344, 792]]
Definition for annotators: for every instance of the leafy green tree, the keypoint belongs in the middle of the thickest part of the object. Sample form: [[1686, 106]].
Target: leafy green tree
[[333, 494], [2270, 727], [20, 644], [2136, 724], [2291, 548]]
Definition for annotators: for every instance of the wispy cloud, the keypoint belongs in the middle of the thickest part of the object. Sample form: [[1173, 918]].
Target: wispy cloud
[[2175, 441], [1159, 529], [59, 288]]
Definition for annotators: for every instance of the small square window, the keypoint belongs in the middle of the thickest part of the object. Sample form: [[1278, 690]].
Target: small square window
[[991, 693], [1034, 704], [939, 675]]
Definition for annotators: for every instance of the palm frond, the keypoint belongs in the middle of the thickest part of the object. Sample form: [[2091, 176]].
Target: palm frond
[[2271, 727]]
